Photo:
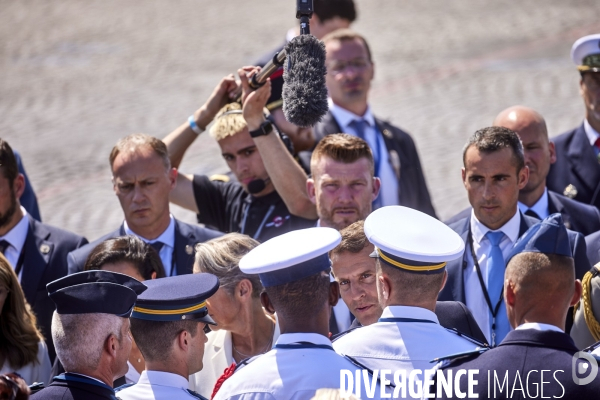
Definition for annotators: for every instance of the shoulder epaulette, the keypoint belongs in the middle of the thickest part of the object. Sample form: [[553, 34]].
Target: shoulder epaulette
[[36, 387], [196, 395], [342, 334], [591, 348], [469, 338], [449, 359], [125, 386]]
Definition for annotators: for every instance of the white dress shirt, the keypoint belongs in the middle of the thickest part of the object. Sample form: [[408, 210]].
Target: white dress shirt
[[538, 326], [389, 181], [541, 207], [16, 237], [168, 240], [35, 371], [157, 385], [590, 132], [474, 296]]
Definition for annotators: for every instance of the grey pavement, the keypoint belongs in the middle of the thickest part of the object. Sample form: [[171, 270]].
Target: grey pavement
[[76, 75]]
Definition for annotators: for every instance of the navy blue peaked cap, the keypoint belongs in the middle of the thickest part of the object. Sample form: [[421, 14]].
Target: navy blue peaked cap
[[548, 236], [177, 298], [90, 292]]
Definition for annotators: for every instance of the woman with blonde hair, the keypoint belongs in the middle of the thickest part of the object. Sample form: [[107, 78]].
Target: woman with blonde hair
[[22, 346], [244, 329]]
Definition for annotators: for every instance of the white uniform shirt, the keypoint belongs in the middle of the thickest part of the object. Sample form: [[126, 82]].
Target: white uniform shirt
[[474, 296], [157, 385], [405, 345], [168, 240], [285, 374], [389, 181]]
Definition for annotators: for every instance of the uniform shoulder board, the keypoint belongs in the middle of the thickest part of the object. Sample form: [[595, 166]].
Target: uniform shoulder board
[[449, 359], [36, 387], [125, 386], [342, 334], [469, 338], [196, 395], [245, 362], [591, 348]]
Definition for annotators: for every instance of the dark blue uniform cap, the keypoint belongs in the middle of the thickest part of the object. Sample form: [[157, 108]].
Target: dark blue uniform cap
[[95, 292], [177, 298], [549, 236], [96, 276]]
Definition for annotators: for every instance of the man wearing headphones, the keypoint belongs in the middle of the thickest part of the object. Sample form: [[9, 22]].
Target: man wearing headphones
[[253, 149]]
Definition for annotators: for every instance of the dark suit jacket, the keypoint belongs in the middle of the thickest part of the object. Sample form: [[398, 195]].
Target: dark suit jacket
[[593, 247], [413, 189], [186, 237], [577, 216], [44, 261], [454, 289], [577, 165], [527, 352], [59, 390], [452, 315]]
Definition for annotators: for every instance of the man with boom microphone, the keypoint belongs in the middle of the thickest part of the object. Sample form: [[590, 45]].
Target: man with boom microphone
[[250, 205]]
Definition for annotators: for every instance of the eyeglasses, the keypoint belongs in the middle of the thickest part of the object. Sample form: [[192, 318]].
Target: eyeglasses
[[337, 67]]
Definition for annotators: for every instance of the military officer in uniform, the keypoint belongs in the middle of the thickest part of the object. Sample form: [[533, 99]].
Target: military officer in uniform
[[412, 249], [537, 358], [168, 324], [90, 328], [294, 270], [576, 173]]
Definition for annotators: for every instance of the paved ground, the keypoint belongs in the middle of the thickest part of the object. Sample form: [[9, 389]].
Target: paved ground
[[75, 75]]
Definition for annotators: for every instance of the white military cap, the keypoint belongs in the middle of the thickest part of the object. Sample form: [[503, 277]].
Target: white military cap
[[412, 240], [585, 53], [291, 256]]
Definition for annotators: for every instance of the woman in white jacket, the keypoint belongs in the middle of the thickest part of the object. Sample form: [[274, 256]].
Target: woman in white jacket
[[244, 329]]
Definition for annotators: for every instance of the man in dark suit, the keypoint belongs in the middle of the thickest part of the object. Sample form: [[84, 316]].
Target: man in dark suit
[[91, 330], [142, 181], [355, 270], [37, 251], [540, 272], [535, 200], [350, 72], [576, 172], [494, 172]]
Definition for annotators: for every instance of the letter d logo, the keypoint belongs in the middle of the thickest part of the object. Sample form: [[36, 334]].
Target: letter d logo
[[581, 368]]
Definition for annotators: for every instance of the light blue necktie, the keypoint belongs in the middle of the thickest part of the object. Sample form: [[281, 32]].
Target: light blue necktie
[[360, 126], [495, 265]]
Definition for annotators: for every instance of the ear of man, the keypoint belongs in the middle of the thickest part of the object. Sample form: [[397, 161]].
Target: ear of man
[[266, 302], [19, 185], [334, 293], [310, 189]]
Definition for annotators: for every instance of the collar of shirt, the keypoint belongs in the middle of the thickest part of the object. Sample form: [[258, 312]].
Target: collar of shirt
[[539, 327], [345, 117], [161, 378], [409, 312], [510, 229], [315, 338], [541, 207], [167, 237], [590, 132], [18, 234]]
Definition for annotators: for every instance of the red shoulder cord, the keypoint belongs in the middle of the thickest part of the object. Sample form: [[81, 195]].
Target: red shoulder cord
[[226, 374]]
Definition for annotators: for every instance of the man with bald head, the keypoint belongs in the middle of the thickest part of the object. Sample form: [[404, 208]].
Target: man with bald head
[[535, 199]]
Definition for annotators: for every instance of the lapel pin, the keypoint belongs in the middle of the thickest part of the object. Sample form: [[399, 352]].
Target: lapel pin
[[45, 249], [387, 133], [189, 250], [570, 191]]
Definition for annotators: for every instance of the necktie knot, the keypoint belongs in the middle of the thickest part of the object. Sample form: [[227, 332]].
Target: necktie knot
[[495, 237], [3, 246], [157, 246], [532, 213], [597, 143], [359, 126]]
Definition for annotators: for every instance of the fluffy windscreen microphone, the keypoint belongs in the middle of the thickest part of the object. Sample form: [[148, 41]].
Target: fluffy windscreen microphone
[[304, 92]]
